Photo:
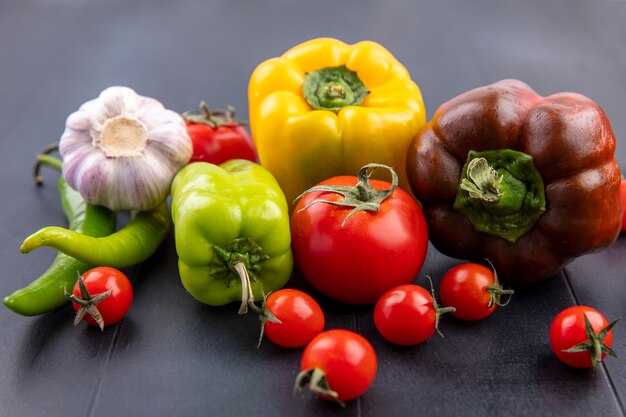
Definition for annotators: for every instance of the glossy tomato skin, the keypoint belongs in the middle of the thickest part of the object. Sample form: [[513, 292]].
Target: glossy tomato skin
[[220, 144], [301, 318], [624, 204], [405, 315], [464, 287], [114, 307], [568, 329], [347, 359], [370, 254]]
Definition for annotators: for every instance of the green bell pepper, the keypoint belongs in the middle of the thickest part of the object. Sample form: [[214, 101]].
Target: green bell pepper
[[232, 233]]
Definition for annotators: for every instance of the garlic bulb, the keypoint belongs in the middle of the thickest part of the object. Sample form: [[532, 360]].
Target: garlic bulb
[[122, 150]]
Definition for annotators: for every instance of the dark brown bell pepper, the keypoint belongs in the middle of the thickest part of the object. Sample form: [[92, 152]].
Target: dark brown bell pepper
[[528, 182]]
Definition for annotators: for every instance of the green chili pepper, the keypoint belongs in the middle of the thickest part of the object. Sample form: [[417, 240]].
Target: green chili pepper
[[48, 291], [132, 244], [232, 234]]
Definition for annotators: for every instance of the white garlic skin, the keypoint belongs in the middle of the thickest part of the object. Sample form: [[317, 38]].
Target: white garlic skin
[[132, 165]]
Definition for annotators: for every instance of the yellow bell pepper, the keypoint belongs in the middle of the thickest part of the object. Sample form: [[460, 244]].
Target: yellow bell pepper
[[325, 108]]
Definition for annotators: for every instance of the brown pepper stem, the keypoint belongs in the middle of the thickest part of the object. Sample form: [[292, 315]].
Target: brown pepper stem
[[484, 181]]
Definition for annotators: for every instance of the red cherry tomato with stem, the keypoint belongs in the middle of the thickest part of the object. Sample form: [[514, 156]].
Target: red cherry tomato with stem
[[101, 297], [408, 315], [299, 318], [581, 337], [338, 365], [354, 238], [474, 290], [218, 137]]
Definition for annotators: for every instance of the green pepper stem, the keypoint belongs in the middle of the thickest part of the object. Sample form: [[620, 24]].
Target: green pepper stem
[[240, 259], [247, 295], [45, 159], [247, 299]]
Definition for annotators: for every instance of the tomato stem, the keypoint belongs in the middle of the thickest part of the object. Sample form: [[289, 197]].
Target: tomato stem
[[595, 343], [361, 197], [315, 380], [439, 311], [264, 316], [496, 291], [213, 118], [88, 303]]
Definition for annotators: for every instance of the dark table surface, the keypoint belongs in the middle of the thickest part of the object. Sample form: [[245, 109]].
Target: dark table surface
[[172, 356]]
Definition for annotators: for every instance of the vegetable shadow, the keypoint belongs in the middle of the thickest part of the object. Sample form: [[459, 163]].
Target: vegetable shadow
[[52, 342], [43, 334]]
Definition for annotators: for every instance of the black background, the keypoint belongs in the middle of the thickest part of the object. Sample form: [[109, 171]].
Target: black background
[[172, 356]]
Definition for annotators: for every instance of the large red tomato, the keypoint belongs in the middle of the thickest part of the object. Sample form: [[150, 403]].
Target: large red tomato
[[217, 136], [355, 257]]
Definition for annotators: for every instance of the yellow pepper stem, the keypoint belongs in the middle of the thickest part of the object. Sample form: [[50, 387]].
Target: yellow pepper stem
[[333, 88]]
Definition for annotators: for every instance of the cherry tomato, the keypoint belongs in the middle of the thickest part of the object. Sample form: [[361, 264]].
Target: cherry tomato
[[217, 137], [356, 256], [301, 318], [91, 301], [337, 365], [581, 336], [624, 204], [407, 315], [473, 290]]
